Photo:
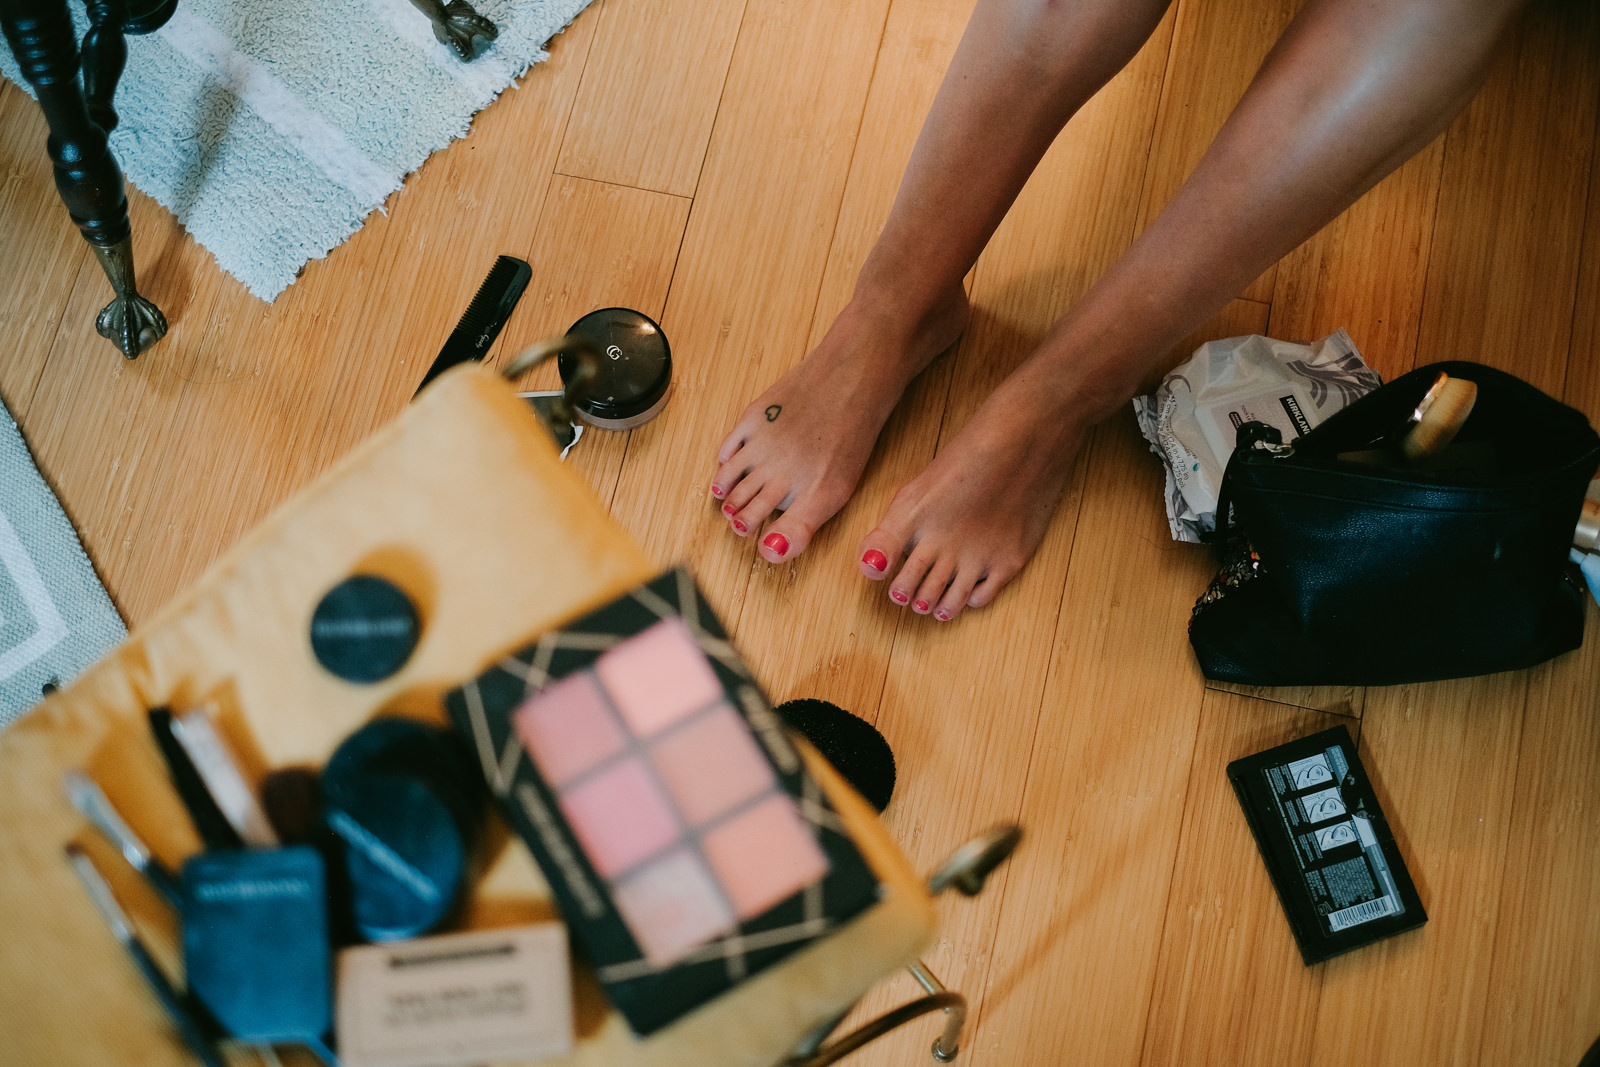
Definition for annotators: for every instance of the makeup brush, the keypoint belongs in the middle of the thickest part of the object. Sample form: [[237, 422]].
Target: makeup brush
[[293, 803], [92, 802], [106, 903], [1439, 416]]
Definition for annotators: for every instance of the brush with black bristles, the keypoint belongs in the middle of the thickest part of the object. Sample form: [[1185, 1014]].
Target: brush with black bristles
[[485, 317]]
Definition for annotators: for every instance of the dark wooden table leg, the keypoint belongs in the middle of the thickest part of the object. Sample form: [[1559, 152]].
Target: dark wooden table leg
[[41, 37]]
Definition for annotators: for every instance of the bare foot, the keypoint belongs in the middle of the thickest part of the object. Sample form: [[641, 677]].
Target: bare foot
[[801, 447], [966, 525]]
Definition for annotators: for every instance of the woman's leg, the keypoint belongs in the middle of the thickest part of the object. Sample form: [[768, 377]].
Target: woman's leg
[[1351, 90], [1022, 69]]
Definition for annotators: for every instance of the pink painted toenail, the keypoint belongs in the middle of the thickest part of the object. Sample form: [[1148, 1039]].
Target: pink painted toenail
[[876, 560], [898, 597], [922, 605], [778, 543], [728, 510], [718, 492], [942, 615], [740, 527]]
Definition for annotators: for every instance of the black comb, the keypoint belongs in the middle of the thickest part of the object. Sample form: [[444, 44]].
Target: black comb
[[485, 317]]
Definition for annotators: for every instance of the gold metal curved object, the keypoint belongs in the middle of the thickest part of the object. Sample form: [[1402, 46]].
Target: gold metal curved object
[[967, 870], [572, 392]]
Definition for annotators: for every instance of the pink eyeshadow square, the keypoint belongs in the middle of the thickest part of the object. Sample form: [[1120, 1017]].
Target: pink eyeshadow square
[[764, 856], [568, 728], [672, 906], [658, 676], [619, 816], [711, 764]]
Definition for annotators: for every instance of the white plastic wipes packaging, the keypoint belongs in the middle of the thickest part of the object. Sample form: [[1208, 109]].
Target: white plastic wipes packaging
[[1192, 419]]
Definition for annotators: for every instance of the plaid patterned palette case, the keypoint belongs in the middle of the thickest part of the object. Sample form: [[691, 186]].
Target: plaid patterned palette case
[[651, 993]]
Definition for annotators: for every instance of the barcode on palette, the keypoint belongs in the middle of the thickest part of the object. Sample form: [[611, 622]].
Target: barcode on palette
[[1361, 913]]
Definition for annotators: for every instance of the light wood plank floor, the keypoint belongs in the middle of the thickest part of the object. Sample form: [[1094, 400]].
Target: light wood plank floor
[[724, 165]]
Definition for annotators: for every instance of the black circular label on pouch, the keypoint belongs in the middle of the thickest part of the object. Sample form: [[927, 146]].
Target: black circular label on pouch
[[364, 629]]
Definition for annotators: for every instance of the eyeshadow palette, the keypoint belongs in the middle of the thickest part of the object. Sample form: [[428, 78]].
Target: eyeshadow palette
[[1327, 846], [684, 841]]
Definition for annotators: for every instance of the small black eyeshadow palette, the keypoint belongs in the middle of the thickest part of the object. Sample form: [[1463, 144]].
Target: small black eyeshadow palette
[[1326, 844], [683, 839]]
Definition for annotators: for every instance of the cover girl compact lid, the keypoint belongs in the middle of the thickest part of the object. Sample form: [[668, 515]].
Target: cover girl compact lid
[[682, 836], [635, 373]]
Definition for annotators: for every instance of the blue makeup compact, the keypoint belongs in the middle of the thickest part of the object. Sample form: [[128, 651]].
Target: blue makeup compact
[[405, 804]]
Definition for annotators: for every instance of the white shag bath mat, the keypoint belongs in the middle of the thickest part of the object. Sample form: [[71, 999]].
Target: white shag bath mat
[[272, 128]]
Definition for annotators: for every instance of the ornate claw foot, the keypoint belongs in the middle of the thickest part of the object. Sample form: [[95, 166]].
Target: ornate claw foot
[[130, 321], [459, 25]]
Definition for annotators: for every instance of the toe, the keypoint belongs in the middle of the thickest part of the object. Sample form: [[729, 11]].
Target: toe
[[906, 583], [726, 480], [741, 493], [990, 585], [733, 471], [956, 596], [788, 536], [932, 587], [736, 439], [875, 564], [776, 546], [883, 548], [755, 511]]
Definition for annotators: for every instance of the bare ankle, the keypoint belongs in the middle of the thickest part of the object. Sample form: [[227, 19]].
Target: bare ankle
[[920, 327]]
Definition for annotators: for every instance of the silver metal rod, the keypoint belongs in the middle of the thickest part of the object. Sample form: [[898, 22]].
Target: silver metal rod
[[925, 978], [955, 1016], [942, 1051]]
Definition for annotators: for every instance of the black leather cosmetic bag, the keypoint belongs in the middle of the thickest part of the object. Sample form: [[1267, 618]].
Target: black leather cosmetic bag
[[1345, 565]]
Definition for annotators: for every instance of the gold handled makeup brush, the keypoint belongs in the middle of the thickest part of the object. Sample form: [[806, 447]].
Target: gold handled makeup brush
[[1439, 416]]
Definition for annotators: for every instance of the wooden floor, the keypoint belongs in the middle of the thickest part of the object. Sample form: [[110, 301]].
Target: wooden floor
[[724, 166]]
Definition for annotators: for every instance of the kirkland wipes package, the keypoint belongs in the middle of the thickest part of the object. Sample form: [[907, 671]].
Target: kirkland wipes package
[[1192, 419]]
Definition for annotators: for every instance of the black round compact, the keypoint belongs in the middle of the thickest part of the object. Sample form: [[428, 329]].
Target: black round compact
[[364, 629], [635, 373], [406, 803]]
